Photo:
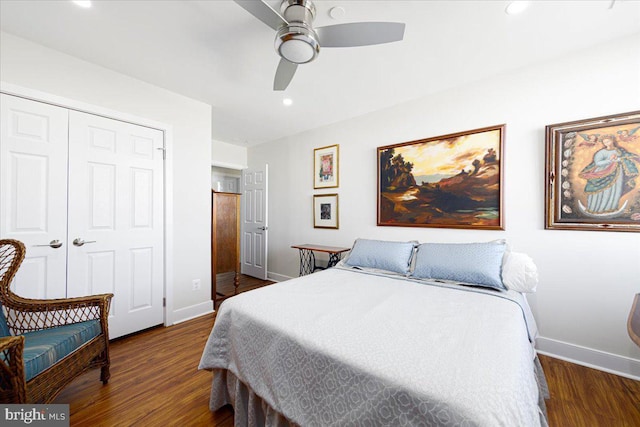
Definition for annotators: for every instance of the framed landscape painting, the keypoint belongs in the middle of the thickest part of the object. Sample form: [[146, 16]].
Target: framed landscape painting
[[592, 168], [449, 181], [325, 167]]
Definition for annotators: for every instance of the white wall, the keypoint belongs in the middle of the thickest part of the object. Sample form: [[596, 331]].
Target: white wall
[[587, 278], [228, 155], [36, 67]]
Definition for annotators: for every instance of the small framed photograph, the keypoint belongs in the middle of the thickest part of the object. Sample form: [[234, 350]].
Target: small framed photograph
[[325, 167], [325, 211], [592, 169]]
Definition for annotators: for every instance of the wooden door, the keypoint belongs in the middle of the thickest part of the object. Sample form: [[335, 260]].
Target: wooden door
[[226, 212], [225, 239]]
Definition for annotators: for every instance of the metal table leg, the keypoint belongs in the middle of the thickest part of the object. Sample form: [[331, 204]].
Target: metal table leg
[[307, 262], [334, 258]]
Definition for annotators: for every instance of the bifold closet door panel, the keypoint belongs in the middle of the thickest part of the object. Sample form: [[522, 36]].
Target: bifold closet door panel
[[116, 218], [33, 192]]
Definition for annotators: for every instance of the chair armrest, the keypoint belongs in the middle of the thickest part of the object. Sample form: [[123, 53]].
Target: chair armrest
[[25, 314], [13, 387]]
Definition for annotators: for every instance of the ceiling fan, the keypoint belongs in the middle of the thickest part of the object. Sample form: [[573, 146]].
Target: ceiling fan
[[297, 42]]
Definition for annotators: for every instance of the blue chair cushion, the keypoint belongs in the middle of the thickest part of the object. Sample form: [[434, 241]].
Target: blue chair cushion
[[4, 328], [42, 349]]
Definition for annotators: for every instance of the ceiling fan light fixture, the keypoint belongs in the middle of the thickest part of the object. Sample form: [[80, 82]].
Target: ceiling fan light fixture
[[297, 44]]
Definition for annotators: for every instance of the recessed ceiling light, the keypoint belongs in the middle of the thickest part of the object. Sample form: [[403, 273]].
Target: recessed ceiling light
[[83, 3], [337, 12], [287, 101], [515, 7]]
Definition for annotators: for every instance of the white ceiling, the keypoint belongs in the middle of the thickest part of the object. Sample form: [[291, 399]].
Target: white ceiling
[[216, 52]]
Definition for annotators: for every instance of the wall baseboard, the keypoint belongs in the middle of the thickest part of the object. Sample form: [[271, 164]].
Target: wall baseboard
[[277, 277], [187, 313], [596, 359], [193, 311]]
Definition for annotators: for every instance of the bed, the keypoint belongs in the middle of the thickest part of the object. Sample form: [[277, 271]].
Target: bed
[[379, 342]]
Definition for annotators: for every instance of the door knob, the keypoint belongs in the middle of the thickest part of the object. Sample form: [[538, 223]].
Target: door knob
[[79, 241], [55, 244], [264, 228]]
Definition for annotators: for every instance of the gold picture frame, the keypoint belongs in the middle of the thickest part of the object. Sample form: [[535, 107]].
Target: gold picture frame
[[591, 174], [326, 167], [449, 181], [325, 211]]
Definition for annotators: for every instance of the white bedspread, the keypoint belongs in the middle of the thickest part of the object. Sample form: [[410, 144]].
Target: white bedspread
[[346, 348]]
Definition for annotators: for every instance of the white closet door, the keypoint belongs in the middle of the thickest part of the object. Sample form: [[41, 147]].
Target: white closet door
[[115, 207], [33, 192]]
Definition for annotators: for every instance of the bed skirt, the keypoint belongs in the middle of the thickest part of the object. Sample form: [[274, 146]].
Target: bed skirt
[[249, 408], [543, 391]]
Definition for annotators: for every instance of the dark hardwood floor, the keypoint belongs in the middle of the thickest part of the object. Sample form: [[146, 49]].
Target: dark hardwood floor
[[247, 283], [584, 397], [155, 382]]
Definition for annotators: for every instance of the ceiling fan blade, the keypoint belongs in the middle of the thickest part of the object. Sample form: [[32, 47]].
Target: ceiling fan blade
[[263, 12], [284, 74], [360, 34]]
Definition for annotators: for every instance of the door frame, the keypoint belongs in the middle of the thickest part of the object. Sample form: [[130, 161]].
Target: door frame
[[167, 130], [241, 169]]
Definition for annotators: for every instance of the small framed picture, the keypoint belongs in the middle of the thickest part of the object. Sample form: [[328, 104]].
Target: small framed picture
[[592, 169], [325, 211], [325, 167]]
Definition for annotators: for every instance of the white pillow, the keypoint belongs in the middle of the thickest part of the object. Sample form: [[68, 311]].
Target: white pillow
[[519, 273]]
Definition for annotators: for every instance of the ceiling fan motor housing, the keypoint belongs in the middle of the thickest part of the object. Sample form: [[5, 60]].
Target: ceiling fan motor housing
[[298, 11], [298, 42]]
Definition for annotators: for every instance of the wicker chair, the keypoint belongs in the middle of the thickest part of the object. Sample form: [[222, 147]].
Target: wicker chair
[[74, 333], [633, 324]]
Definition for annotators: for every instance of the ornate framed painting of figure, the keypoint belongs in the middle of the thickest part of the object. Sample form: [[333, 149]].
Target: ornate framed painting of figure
[[449, 181], [591, 174], [325, 167]]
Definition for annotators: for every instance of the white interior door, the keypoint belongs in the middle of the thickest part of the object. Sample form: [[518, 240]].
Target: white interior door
[[33, 192], [254, 222], [116, 218]]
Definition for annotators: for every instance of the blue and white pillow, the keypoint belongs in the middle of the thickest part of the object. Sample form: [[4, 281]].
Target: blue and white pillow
[[470, 263], [380, 254]]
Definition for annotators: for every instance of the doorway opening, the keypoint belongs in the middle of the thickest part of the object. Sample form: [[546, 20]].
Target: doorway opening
[[225, 180]]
